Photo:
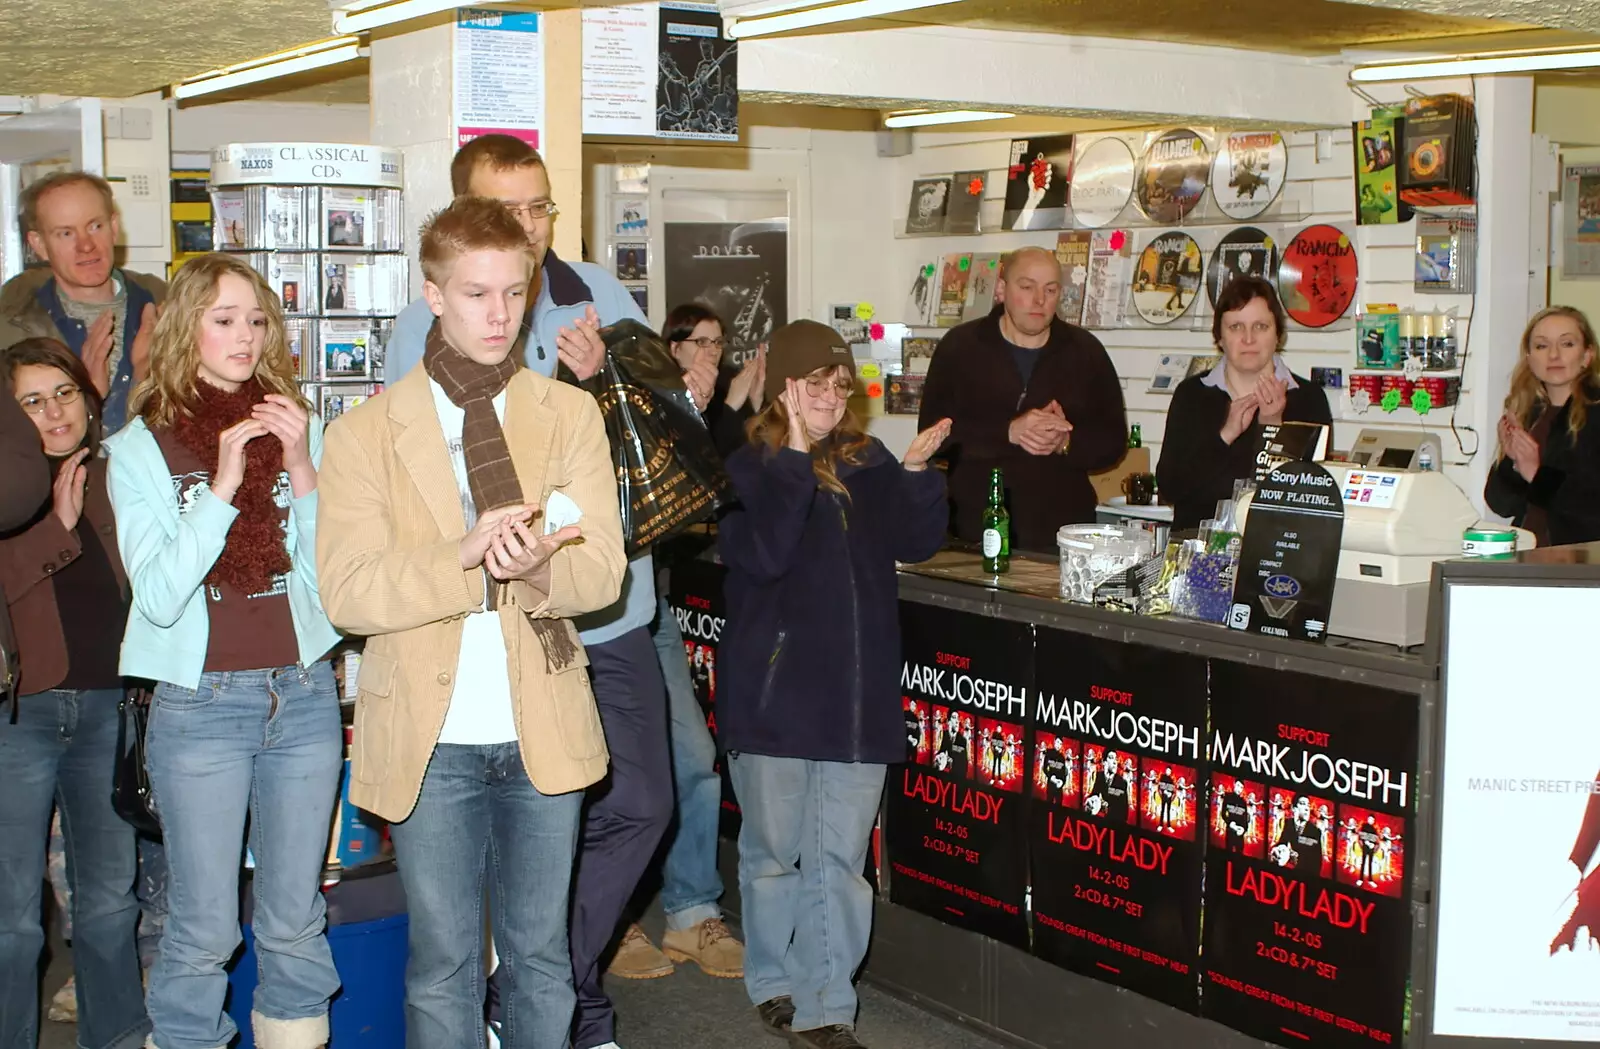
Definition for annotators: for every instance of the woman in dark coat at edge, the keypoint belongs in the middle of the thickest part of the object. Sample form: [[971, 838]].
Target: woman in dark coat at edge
[[1548, 476], [810, 707], [1215, 426]]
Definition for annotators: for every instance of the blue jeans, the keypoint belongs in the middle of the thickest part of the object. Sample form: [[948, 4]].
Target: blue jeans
[[64, 746], [807, 908], [690, 882], [267, 745], [151, 889], [479, 818]]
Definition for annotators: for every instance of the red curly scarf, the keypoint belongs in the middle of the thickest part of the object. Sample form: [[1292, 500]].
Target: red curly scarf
[[254, 553]]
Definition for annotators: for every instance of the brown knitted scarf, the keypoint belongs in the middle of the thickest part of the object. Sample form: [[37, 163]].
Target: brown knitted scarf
[[254, 553], [491, 475], [472, 387]]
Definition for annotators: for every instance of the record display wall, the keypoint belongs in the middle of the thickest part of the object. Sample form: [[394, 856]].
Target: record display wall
[[1175, 176], [1164, 278], [324, 224]]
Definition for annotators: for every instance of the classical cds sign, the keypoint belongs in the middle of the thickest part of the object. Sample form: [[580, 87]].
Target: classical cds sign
[[316, 163]]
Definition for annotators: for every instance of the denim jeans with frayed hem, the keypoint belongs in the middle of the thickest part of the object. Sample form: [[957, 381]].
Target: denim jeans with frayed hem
[[480, 819], [807, 907], [63, 749], [266, 745]]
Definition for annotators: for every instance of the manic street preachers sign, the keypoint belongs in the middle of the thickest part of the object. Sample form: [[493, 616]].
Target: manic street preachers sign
[[311, 163]]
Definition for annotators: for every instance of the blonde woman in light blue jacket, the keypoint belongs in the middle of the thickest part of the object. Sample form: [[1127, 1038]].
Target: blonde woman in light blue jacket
[[214, 485]]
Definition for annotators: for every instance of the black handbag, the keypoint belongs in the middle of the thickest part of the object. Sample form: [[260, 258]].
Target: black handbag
[[10, 665], [669, 475], [131, 795]]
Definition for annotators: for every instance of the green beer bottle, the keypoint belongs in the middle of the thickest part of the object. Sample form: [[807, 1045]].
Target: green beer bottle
[[996, 527], [1135, 437]]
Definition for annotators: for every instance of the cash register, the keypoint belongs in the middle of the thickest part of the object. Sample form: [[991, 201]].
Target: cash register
[[1399, 518]]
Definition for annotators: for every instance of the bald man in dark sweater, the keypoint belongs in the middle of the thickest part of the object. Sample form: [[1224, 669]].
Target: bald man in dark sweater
[[1033, 395]]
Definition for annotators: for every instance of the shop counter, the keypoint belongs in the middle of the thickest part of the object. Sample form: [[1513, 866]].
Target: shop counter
[[1109, 823], [1222, 823]]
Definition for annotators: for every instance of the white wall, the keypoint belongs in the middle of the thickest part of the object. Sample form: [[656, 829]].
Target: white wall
[[197, 128], [139, 169], [840, 194], [1147, 81]]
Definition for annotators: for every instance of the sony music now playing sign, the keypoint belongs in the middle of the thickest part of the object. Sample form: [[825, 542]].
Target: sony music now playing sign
[[1289, 558]]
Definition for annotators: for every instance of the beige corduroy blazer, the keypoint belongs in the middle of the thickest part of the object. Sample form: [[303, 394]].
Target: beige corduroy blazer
[[389, 527]]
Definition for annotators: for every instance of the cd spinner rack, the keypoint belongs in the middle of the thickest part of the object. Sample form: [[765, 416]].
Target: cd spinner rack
[[325, 225]]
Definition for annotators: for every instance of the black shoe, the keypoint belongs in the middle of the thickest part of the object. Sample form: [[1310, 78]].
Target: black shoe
[[776, 1014], [833, 1036]]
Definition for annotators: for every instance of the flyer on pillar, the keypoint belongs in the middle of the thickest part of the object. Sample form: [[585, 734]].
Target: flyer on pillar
[[499, 74]]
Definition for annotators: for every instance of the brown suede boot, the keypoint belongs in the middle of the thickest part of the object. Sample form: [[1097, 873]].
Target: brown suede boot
[[709, 945], [638, 958]]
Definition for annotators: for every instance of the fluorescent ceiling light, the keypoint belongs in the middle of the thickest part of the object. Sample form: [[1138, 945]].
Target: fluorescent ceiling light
[[949, 116], [758, 9], [816, 16], [1476, 65], [314, 56], [373, 17]]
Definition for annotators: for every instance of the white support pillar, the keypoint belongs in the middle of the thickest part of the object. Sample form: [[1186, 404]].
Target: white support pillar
[[412, 87], [1506, 257], [411, 82]]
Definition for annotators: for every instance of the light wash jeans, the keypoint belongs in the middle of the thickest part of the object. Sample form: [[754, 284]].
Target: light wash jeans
[[690, 882], [479, 818], [267, 745], [150, 887], [63, 748], [807, 908]]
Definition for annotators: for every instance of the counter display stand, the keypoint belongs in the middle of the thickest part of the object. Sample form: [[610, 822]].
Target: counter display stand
[[325, 225]]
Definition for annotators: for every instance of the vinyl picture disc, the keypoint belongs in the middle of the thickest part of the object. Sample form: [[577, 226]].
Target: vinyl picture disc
[[1244, 252], [1317, 278], [1249, 173], [1102, 181], [1172, 175], [1166, 280]]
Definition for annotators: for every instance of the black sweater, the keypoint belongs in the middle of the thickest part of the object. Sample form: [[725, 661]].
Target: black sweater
[[1196, 467], [1567, 485], [974, 382]]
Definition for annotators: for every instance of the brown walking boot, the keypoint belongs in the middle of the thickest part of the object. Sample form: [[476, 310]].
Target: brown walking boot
[[639, 959], [709, 945]]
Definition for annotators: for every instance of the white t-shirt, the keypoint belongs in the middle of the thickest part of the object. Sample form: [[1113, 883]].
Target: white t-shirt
[[480, 707]]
